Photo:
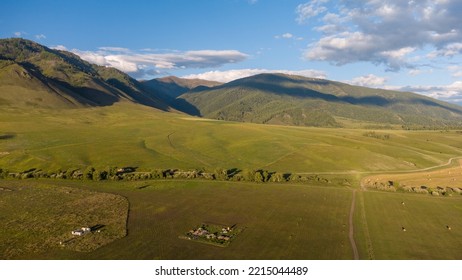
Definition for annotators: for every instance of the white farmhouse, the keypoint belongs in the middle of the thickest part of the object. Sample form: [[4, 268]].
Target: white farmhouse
[[81, 231]]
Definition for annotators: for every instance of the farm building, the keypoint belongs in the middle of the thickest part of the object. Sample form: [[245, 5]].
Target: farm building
[[81, 231]]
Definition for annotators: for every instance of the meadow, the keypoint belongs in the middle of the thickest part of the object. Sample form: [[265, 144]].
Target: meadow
[[39, 217], [129, 135], [279, 220], [425, 219], [445, 180]]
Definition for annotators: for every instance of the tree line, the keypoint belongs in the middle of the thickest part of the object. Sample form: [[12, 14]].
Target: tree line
[[132, 174]]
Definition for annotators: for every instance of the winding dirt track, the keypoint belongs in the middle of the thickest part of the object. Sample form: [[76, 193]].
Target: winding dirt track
[[380, 172], [351, 229], [353, 201]]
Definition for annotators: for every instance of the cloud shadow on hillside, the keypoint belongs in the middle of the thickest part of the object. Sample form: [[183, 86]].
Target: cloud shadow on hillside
[[275, 85]]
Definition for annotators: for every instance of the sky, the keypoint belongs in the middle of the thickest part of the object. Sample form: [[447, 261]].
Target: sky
[[410, 45]]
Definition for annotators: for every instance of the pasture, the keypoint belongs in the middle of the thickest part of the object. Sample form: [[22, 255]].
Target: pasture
[[447, 180], [277, 221], [425, 219], [38, 217], [419, 219], [128, 135]]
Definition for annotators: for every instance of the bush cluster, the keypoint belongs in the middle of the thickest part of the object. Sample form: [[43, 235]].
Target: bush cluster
[[131, 174], [435, 191]]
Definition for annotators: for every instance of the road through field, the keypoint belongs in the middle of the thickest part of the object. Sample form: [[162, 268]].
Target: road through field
[[353, 201], [351, 231], [351, 172]]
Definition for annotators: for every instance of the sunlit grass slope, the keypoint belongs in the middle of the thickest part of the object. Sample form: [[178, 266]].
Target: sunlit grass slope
[[133, 135]]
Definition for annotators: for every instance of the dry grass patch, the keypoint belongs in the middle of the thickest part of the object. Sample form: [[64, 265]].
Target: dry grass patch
[[36, 219], [446, 181]]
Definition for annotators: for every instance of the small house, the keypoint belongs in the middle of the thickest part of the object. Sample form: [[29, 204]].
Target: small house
[[77, 232], [81, 231]]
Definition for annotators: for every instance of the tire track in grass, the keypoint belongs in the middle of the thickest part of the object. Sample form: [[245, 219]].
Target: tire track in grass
[[355, 172], [370, 249], [351, 230]]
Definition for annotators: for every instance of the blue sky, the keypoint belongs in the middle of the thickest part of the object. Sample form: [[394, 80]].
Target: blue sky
[[413, 45]]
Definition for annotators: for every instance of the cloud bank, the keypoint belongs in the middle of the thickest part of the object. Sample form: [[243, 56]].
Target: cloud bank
[[450, 93], [150, 62], [369, 81], [389, 32], [230, 75]]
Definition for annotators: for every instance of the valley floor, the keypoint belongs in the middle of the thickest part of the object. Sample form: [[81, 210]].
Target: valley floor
[[324, 218], [279, 221]]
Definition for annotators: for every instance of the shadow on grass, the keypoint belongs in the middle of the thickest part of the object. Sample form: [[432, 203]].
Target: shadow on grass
[[7, 136], [97, 227]]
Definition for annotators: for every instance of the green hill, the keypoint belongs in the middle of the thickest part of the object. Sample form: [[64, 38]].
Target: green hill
[[173, 86], [169, 88], [295, 100], [32, 75]]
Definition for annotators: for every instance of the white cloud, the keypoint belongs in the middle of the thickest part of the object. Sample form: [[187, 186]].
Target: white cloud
[[40, 36], [387, 32], [416, 72], [398, 53], [457, 74], [19, 33], [114, 49], [311, 9], [450, 50], [349, 47], [230, 75], [455, 70], [140, 63], [59, 47], [369, 81], [450, 93], [285, 36]]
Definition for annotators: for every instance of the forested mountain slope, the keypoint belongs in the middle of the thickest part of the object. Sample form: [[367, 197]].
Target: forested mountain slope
[[296, 100]]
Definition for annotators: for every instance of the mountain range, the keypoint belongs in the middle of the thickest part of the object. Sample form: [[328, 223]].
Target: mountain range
[[32, 75], [295, 100]]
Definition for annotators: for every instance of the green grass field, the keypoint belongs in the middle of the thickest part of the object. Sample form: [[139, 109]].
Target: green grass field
[[279, 221], [425, 219], [39, 217], [128, 135]]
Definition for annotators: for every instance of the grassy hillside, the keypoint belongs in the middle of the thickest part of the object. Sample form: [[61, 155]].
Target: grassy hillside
[[133, 135], [295, 100], [173, 87], [169, 88], [32, 75]]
